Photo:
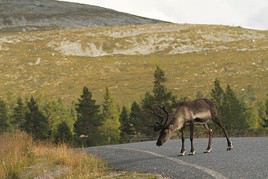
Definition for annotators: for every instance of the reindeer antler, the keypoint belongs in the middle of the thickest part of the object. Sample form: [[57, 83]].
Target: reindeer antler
[[167, 115], [157, 115], [159, 124], [157, 127]]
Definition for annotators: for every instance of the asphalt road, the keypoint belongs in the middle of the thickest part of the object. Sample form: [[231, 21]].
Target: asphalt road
[[248, 159]]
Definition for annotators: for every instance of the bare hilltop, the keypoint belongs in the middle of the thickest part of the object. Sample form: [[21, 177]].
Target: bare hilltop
[[51, 13]]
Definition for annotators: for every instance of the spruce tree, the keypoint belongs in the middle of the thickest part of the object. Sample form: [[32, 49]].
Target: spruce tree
[[88, 119], [234, 111], [161, 97], [249, 98], [36, 122], [135, 118], [4, 121], [265, 120], [57, 112], [252, 118], [263, 113], [18, 117], [63, 133], [217, 94], [110, 116], [125, 127], [250, 95]]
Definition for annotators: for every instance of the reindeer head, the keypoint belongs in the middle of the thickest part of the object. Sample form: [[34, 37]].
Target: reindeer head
[[164, 128]]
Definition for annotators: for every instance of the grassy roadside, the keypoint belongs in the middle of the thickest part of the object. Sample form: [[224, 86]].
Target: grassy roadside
[[21, 157]]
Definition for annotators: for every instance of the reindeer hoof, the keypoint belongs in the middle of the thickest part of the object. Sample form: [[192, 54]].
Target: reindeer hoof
[[192, 153], [230, 147], [182, 153], [208, 151]]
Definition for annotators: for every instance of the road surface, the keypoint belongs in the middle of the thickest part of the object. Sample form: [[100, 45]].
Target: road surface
[[248, 159]]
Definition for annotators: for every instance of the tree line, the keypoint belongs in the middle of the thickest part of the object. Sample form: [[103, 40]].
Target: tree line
[[88, 123]]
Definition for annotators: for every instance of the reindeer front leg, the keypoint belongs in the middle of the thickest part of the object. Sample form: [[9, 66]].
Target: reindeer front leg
[[192, 151], [182, 153]]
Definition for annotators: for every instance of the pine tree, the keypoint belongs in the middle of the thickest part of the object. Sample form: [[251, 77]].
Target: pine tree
[[63, 133], [263, 114], [125, 126], [18, 117], [148, 101], [217, 94], [4, 121], [135, 118], [252, 118], [88, 119], [234, 111], [161, 96], [57, 112], [110, 116], [250, 95], [36, 123], [265, 120]]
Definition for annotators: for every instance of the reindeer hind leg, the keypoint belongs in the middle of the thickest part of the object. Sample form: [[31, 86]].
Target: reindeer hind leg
[[208, 150], [229, 143]]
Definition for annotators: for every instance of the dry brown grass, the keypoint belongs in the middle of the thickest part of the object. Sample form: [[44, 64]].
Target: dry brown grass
[[15, 154], [68, 162], [23, 158]]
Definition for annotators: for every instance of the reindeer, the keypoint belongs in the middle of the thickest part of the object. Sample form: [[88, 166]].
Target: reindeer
[[199, 111]]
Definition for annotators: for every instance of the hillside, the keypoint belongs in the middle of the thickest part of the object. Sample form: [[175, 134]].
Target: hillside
[[32, 14], [58, 63]]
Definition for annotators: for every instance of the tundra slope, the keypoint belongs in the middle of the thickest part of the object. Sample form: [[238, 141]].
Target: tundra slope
[[58, 63]]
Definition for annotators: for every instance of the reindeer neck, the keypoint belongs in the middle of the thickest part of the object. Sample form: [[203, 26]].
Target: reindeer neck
[[177, 124], [183, 115]]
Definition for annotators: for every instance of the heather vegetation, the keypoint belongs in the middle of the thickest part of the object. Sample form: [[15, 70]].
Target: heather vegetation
[[87, 123]]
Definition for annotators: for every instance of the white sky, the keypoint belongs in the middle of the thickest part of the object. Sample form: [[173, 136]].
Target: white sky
[[246, 13]]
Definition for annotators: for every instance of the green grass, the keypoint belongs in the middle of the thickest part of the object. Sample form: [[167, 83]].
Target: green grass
[[130, 76]]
